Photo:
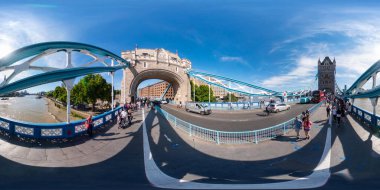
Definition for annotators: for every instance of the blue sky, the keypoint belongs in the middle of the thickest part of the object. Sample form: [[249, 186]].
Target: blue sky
[[274, 44]]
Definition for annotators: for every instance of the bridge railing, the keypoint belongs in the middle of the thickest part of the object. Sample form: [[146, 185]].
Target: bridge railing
[[237, 105], [366, 117], [226, 137], [54, 130]]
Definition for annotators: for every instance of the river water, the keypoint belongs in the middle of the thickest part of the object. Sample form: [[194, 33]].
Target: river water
[[27, 108], [365, 103]]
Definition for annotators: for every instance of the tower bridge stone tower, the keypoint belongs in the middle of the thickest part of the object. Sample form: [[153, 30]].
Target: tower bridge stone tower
[[155, 64], [326, 75]]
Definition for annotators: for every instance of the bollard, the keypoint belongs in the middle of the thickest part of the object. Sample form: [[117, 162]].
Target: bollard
[[217, 138], [256, 137]]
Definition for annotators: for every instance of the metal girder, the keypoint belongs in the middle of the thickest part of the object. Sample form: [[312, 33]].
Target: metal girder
[[54, 76], [39, 48], [364, 77], [238, 83]]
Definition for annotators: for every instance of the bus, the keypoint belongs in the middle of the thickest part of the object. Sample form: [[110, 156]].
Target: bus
[[317, 96]]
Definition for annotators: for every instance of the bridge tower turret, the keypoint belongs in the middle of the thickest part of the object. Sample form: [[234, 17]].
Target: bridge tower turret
[[326, 75]]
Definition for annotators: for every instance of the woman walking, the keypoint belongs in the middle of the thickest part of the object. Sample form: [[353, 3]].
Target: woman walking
[[88, 124], [306, 127]]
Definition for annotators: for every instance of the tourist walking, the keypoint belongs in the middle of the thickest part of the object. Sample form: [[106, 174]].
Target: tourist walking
[[123, 117], [297, 126], [130, 116], [306, 127], [89, 125], [334, 112], [303, 116], [338, 116], [328, 110]]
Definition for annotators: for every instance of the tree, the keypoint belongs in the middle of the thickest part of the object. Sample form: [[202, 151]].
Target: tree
[[91, 88], [202, 93], [60, 94], [227, 98]]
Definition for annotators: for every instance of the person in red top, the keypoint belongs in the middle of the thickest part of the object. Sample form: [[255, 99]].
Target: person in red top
[[89, 125], [307, 126]]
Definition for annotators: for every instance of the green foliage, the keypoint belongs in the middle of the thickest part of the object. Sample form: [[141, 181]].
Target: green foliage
[[60, 94], [88, 90], [227, 98], [202, 93]]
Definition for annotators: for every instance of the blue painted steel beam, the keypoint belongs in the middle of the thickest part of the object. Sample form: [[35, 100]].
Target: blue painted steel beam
[[365, 76], [36, 49], [373, 93], [229, 89], [166, 91], [54, 76], [193, 73]]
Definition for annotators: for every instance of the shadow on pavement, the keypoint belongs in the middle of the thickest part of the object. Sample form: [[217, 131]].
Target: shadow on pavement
[[176, 158]]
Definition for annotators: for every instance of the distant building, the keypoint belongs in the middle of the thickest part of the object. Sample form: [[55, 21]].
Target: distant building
[[326, 75], [217, 91], [156, 90]]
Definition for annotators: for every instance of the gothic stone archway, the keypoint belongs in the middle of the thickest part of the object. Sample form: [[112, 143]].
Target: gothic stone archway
[[155, 64]]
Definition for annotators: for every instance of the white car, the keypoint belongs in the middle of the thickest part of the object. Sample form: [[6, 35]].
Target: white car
[[278, 107]]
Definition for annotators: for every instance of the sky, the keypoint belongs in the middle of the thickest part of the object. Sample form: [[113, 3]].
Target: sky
[[270, 43]]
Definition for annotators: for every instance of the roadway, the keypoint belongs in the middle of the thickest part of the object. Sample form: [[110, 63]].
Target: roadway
[[237, 121]]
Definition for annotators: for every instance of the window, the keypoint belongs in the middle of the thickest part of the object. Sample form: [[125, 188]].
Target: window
[[145, 65], [176, 69]]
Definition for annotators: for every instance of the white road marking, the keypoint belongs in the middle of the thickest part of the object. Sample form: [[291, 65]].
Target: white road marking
[[157, 178]]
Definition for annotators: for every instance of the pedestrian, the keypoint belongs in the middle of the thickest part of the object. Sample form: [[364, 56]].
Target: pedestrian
[[328, 109], [303, 116], [89, 125], [306, 127], [123, 117], [338, 116], [130, 116], [297, 126], [334, 113], [267, 110]]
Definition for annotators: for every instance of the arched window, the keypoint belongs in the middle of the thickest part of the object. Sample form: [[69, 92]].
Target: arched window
[[145, 65]]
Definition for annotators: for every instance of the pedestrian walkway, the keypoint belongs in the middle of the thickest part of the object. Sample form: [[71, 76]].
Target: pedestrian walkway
[[78, 152], [111, 160], [284, 158]]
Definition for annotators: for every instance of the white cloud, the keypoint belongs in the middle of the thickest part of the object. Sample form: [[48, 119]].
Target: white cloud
[[19, 29], [355, 54], [234, 59]]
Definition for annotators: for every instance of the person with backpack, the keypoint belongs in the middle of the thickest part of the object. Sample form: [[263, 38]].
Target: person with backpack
[[89, 125], [307, 127]]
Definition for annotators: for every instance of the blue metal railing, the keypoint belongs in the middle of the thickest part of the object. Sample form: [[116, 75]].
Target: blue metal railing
[[365, 116], [54, 130], [226, 137]]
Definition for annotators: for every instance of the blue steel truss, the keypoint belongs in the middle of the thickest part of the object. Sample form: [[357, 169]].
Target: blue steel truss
[[233, 85], [39, 48], [356, 91], [52, 74]]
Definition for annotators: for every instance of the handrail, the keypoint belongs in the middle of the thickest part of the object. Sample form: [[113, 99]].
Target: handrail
[[365, 116], [54, 130], [227, 137]]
